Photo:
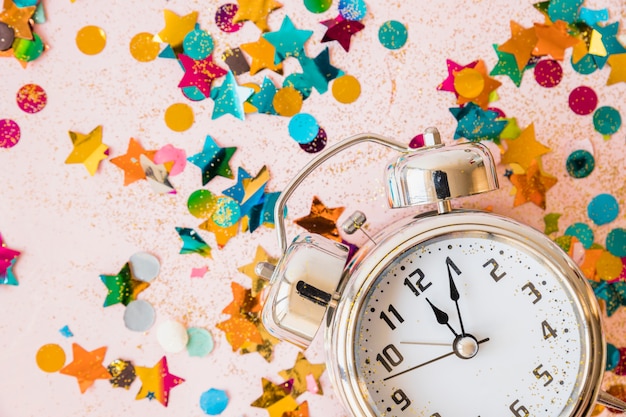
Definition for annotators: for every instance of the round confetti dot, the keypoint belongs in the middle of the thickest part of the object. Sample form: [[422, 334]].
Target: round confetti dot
[[27, 50], [548, 73], [193, 93], [346, 89], [227, 212], [213, 401], [580, 164], [175, 158], [317, 6], [582, 232], [469, 83], [144, 48], [31, 98], [587, 65], [144, 266], [179, 117], [607, 120], [172, 336], [583, 100], [9, 133], [202, 204], [50, 357], [612, 357], [198, 44], [91, 40], [7, 35], [392, 34], [300, 83], [287, 101], [616, 242], [352, 9], [224, 18], [603, 209], [200, 342], [303, 128], [139, 316], [608, 267], [317, 144]]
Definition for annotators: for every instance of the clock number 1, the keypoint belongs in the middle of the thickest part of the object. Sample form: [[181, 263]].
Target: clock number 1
[[494, 270]]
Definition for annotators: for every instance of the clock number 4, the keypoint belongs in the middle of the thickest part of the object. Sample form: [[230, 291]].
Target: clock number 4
[[547, 330], [390, 357], [494, 270]]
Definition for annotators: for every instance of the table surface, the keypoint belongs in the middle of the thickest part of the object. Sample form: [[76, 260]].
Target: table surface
[[71, 227]]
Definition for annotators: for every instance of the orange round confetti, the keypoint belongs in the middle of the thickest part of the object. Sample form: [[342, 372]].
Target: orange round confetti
[[143, 47], [50, 357], [609, 266], [346, 89], [91, 40], [469, 83], [287, 101], [179, 117]]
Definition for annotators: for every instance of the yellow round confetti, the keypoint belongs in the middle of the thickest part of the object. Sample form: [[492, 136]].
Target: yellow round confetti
[[287, 101], [179, 117], [91, 40], [247, 107], [608, 266], [469, 83], [346, 89], [50, 357], [143, 47]]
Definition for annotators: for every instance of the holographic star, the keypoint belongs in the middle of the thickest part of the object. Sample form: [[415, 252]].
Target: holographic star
[[200, 73], [237, 191], [86, 366], [88, 149], [341, 30], [476, 124], [122, 288], [229, 98], [532, 186], [192, 242], [213, 160], [156, 382], [288, 41]]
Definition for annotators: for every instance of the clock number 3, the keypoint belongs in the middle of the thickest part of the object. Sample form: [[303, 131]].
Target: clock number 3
[[494, 269]]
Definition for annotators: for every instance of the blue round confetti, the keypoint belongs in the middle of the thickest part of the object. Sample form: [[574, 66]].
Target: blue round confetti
[[580, 164], [612, 357], [603, 209], [198, 44], [607, 120], [582, 232], [213, 401], [200, 342], [616, 242], [352, 9], [392, 34], [303, 128]]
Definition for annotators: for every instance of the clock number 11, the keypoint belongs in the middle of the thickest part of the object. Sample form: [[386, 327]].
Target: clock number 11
[[390, 321]]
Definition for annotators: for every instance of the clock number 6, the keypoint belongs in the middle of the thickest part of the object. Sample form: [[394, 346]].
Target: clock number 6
[[518, 411]]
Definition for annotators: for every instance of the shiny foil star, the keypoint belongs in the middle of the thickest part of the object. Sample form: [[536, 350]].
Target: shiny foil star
[[263, 99], [229, 98], [237, 192], [18, 18], [88, 149], [156, 175], [318, 72], [200, 73], [301, 411], [322, 220], [157, 382], [532, 186], [288, 40], [256, 11], [213, 160], [262, 54], [192, 242], [122, 288], [242, 327], [130, 162], [254, 189], [341, 30], [176, 28], [553, 39], [276, 398], [222, 234], [249, 269], [521, 44], [86, 366], [524, 149], [610, 42], [301, 373]]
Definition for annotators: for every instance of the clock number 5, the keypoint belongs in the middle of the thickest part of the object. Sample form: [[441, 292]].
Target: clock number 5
[[494, 270], [540, 375]]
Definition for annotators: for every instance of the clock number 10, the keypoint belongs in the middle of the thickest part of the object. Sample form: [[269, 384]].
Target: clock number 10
[[390, 357]]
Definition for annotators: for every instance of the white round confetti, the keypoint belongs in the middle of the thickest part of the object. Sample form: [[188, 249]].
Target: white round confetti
[[144, 266], [172, 336], [139, 315]]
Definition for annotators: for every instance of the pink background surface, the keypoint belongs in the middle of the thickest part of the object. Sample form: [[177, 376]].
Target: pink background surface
[[72, 227]]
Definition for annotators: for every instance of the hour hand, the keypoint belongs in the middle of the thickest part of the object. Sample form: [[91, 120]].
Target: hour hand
[[442, 317]]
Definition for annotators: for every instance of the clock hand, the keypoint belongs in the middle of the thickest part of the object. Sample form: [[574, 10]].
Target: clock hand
[[442, 317], [454, 293], [410, 342], [428, 362]]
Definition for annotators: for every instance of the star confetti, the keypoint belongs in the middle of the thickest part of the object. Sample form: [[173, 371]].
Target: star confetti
[[200, 73], [617, 63], [88, 149], [341, 30], [613, 294], [176, 28], [532, 186], [18, 18], [192, 242], [553, 39], [476, 124], [86, 366], [130, 162], [524, 149], [301, 410], [322, 220], [8, 258], [222, 234], [288, 40], [301, 372], [521, 44], [213, 160], [123, 287], [262, 53], [507, 65], [276, 398], [157, 382], [229, 98], [249, 269], [475, 85], [256, 11]]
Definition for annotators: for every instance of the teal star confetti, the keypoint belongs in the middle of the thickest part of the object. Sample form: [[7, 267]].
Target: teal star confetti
[[318, 72], [288, 40], [237, 191], [269, 205], [263, 99], [229, 98], [614, 294], [507, 66], [476, 124], [610, 41], [122, 288], [193, 243], [213, 160]]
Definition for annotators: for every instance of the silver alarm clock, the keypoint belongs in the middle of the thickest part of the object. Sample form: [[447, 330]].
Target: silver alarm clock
[[447, 313]]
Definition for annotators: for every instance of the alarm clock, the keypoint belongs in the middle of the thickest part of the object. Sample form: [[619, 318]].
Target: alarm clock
[[447, 313]]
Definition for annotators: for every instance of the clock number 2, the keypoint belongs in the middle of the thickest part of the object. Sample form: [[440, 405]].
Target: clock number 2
[[494, 270]]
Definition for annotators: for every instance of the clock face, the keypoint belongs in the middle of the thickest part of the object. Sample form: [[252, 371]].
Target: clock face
[[470, 324]]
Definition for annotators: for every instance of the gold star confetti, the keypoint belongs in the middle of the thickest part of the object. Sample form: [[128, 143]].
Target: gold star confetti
[[305, 376], [18, 18], [524, 149], [176, 28], [256, 11], [532, 186], [249, 269], [322, 220], [88, 149], [275, 398]]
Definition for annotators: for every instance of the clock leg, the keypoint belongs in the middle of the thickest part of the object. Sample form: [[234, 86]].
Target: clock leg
[[610, 401]]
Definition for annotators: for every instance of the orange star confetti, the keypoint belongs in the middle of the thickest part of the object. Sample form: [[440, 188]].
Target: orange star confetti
[[588, 266], [262, 53], [249, 269], [322, 220], [86, 366], [130, 162], [475, 85], [521, 44], [275, 399], [239, 331], [301, 411], [256, 11], [532, 186], [524, 149], [222, 234], [304, 374], [553, 40]]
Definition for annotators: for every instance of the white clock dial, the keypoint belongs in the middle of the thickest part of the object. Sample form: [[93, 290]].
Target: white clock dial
[[470, 324]]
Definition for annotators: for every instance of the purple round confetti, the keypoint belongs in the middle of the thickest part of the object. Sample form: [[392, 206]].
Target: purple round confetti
[[224, 18], [317, 144], [9, 133], [548, 73], [583, 100]]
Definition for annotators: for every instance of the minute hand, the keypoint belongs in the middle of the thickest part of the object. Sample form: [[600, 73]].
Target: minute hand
[[454, 293]]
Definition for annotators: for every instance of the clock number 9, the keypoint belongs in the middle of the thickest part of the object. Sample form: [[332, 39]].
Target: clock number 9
[[400, 398]]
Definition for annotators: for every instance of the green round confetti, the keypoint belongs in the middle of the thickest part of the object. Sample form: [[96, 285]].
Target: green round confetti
[[200, 342], [317, 6], [202, 204], [227, 212], [392, 34], [603, 209], [582, 232], [580, 164], [616, 242], [607, 120], [585, 66], [28, 50]]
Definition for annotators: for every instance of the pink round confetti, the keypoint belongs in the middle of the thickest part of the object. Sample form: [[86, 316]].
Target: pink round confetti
[[169, 153], [9, 133], [583, 100], [31, 98], [224, 18], [548, 73]]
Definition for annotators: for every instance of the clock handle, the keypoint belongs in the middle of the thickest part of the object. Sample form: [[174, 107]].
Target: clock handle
[[610, 401]]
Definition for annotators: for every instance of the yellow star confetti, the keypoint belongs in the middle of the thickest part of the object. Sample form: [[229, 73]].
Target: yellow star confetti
[[617, 62], [17, 18], [275, 399], [176, 28], [256, 11], [305, 376], [88, 149], [524, 149]]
